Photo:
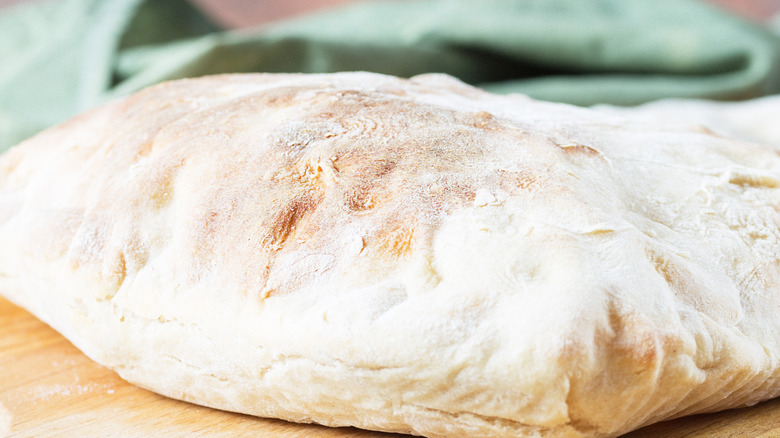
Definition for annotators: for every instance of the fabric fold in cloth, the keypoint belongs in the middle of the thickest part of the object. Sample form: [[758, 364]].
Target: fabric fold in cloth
[[62, 57]]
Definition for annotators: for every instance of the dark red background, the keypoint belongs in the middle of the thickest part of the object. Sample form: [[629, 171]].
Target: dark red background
[[244, 13]]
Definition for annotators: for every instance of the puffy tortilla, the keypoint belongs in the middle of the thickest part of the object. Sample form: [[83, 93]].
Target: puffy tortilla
[[415, 256]]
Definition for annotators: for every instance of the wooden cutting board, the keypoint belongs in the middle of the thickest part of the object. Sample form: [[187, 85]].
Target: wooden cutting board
[[48, 388]]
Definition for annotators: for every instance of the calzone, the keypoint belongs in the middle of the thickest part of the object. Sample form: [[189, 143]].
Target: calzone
[[408, 255]]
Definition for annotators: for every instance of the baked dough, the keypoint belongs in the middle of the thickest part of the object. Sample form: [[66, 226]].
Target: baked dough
[[752, 120], [415, 256]]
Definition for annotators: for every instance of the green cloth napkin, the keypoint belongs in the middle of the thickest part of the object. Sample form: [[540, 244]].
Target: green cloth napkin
[[58, 58]]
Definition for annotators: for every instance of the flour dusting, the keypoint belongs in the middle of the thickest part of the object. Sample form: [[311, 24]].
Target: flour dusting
[[43, 393], [5, 421], [46, 392]]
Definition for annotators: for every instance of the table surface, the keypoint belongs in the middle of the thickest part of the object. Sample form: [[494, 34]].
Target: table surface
[[49, 388]]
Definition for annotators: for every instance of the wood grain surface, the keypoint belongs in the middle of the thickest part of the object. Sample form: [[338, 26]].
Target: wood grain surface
[[48, 388]]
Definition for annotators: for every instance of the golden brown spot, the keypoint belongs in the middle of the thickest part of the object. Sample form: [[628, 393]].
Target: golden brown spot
[[162, 189], [155, 185], [210, 222], [364, 164], [483, 120], [117, 269], [677, 279], [283, 222], [10, 161], [144, 149], [277, 97], [704, 130], [266, 293], [380, 167], [524, 179], [633, 349], [759, 181], [580, 149], [396, 241], [459, 194], [359, 199], [634, 342]]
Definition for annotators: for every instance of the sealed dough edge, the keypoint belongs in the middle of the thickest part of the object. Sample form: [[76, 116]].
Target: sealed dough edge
[[415, 256]]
